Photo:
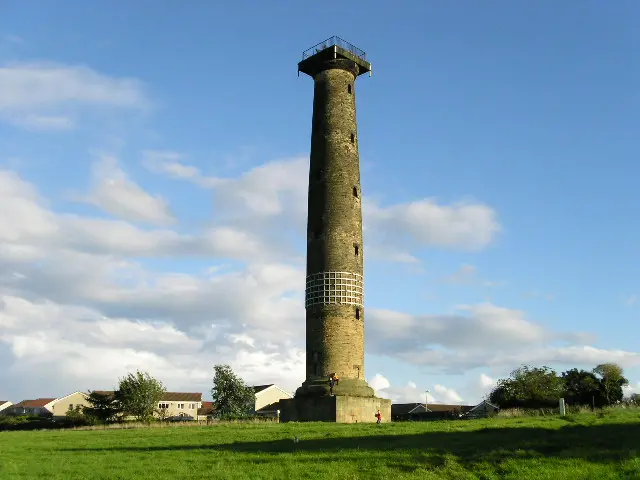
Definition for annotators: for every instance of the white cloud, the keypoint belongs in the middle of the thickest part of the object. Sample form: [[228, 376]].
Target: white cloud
[[51, 95], [464, 275], [378, 382], [468, 275], [446, 395], [487, 336], [462, 225], [26, 221], [74, 296], [170, 164], [115, 193], [93, 350], [279, 189], [486, 382], [410, 392], [630, 389]]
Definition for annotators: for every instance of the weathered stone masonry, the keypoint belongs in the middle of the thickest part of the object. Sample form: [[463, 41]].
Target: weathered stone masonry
[[334, 297], [334, 294]]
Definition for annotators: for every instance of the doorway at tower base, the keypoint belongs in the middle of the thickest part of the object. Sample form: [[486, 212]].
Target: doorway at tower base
[[339, 409]]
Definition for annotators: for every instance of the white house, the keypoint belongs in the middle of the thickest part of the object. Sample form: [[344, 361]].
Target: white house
[[5, 404], [268, 398]]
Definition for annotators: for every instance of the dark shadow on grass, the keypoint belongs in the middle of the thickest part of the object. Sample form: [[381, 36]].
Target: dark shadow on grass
[[609, 443]]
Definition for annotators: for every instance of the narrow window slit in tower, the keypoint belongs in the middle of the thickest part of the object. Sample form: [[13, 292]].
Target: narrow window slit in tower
[[353, 138], [349, 88], [356, 249], [357, 314], [355, 192]]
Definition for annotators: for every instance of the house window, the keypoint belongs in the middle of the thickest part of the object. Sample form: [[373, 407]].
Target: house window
[[355, 192], [357, 314], [181, 405], [356, 249], [353, 138], [163, 405], [349, 88]]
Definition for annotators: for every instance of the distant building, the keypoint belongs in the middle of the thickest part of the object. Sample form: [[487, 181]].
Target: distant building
[[404, 409], [4, 404], [417, 411], [60, 406], [268, 399], [55, 407], [483, 409], [174, 405], [38, 406], [206, 411]]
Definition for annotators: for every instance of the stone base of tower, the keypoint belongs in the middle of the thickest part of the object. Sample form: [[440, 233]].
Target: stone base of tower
[[339, 409], [349, 387]]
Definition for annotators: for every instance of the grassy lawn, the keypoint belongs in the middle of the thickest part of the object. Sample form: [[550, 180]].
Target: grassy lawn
[[583, 446]]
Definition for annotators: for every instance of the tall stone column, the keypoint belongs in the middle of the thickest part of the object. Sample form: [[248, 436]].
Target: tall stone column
[[334, 294]]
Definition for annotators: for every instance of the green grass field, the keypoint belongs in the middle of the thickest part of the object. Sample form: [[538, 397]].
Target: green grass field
[[583, 446]]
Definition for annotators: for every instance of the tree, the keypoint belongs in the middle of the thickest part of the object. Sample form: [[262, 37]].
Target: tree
[[528, 387], [582, 388], [611, 381], [76, 416], [139, 394], [232, 398], [104, 407]]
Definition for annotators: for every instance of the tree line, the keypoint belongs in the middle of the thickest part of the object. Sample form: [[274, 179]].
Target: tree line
[[542, 387], [138, 395]]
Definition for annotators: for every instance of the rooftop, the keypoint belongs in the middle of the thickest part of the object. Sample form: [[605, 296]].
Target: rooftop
[[38, 402], [167, 397], [259, 388]]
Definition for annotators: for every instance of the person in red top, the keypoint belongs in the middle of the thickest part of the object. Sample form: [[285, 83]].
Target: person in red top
[[378, 416]]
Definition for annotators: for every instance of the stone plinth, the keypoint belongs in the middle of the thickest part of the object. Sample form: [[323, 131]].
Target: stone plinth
[[339, 409]]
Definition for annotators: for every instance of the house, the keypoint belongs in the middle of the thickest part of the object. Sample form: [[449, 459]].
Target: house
[[174, 405], [483, 409], [454, 409], [417, 411], [60, 406], [4, 404], [268, 399], [39, 406], [205, 412], [180, 404], [399, 410]]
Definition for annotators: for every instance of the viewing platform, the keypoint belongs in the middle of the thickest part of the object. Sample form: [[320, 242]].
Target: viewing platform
[[331, 49]]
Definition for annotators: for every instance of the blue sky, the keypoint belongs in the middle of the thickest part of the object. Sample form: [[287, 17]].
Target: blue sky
[[499, 151]]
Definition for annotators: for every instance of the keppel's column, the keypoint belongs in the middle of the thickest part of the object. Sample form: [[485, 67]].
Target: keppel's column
[[334, 297]]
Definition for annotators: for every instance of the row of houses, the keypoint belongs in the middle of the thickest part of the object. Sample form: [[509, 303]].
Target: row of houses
[[190, 406], [420, 411], [172, 405]]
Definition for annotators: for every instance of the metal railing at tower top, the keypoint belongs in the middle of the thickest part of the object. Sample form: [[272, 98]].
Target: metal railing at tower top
[[330, 42]]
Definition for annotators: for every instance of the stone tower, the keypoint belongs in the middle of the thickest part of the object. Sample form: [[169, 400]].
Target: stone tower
[[334, 294]]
